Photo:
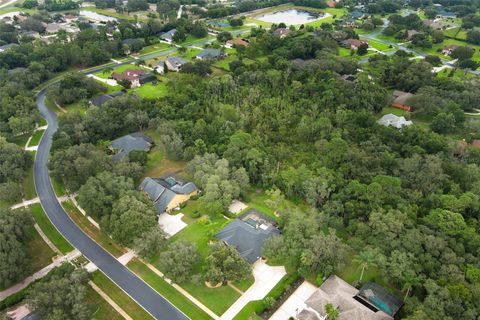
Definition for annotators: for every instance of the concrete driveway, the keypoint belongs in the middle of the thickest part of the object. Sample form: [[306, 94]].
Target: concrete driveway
[[266, 277], [171, 224], [295, 303]]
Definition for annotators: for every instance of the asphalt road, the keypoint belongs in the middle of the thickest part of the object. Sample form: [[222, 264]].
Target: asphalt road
[[149, 299]]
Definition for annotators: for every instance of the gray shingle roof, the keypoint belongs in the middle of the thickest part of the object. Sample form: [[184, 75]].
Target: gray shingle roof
[[130, 142], [248, 240], [176, 61], [161, 191], [168, 35], [210, 53], [101, 99]]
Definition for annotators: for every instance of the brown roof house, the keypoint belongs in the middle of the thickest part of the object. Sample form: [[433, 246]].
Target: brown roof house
[[353, 44], [237, 42], [135, 77], [400, 100], [449, 49], [281, 32], [371, 302]]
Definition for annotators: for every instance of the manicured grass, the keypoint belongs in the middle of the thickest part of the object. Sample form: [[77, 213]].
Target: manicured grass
[[120, 297], [79, 106], [224, 63], [29, 183], [51, 105], [216, 299], [244, 284], [395, 111], [154, 48], [378, 45], [40, 253], [166, 290], [58, 187], [36, 138], [101, 309], [48, 228], [151, 90], [96, 234]]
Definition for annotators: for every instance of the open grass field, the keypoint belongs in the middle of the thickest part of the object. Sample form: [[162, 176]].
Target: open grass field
[[120, 297], [37, 135], [166, 290], [50, 231], [158, 164], [29, 183], [100, 237], [101, 309], [154, 48], [111, 13], [40, 253]]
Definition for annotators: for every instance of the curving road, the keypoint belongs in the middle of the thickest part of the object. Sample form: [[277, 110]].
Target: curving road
[[137, 289]]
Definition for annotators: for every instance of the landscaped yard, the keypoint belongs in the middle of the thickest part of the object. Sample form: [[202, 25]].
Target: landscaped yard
[[166, 290], [216, 299], [120, 297], [49, 230], [100, 237], [151, 90], [158, 164]]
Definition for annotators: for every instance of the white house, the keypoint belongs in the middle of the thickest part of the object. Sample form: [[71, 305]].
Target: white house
[[394, 121]]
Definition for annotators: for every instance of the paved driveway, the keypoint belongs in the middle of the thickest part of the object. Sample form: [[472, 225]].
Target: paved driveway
[[295, 303], [266, 277], [171, 224]]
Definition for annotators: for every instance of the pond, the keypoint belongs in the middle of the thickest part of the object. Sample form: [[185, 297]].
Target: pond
[[291, 16]]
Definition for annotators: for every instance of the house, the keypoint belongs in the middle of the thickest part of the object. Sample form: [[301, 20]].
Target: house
[[331, 4], [371, 302], [130, 142], [135, 77], [210, 54], [168, 192], [70, 18], [160, 67], [436, 25], [354, 44], [7, 47], [449, 49], [394, 121], [98, 101], [237, 42], [400, 100], [55, 27], [358, 15], [247, 234], [347, 23], [175, 63], [129, 41], [168, 36], [281, 32]]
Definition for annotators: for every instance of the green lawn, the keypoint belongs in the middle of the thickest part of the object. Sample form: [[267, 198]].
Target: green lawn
[[120, 297], [216, 299], [100, 237], [111, 13], [49, 230], [40, 253], [154, 48], [101, 309], [379, 45], [151, 90], [36, 138], [29, 183], [58, 187], [224, 63], [166, 290]]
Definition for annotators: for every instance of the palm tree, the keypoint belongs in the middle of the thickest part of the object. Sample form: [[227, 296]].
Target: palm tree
[[366, 258], [410, 279], [331, 312]]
